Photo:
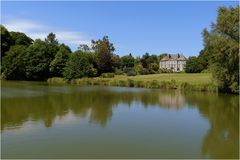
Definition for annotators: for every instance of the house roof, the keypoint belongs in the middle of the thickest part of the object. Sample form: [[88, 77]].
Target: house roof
[[174, 57]]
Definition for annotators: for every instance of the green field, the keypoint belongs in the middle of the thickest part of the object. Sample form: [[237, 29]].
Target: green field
[[192, 78], [182, 81]]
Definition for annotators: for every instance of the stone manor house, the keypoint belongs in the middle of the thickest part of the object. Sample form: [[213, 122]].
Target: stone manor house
[[174, 62]]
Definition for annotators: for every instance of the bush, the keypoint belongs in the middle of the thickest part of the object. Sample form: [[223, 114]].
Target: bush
[[123, 83], [139, 84], [165, 70], [130, 83], [131, 73], [107, 75], [154, 84], [144, 71], [119, 72], [56, 80]]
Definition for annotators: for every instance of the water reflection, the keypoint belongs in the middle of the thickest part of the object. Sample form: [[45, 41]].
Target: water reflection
[[221, 111]]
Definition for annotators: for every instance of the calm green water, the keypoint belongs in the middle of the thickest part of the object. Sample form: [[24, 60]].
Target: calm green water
[[41, 121]]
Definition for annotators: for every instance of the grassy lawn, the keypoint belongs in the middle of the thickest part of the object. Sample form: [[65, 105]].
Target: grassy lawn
[[192, 78], [183, 81]]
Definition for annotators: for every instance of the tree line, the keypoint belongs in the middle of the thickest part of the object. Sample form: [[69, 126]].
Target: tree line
[[27, 59]]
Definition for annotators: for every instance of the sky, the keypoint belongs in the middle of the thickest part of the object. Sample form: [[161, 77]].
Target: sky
[[133, 27]]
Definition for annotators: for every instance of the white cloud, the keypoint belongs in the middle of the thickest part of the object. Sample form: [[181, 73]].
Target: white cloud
[[37, 30], [23, 25], [74, 38]]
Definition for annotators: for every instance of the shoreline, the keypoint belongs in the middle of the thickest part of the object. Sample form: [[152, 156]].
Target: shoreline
[[130, 82]]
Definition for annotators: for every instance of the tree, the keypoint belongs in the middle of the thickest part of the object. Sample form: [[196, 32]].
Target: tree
[[204, 59], [127, 61], [153, 68], [104, 52], [222, 42], [162, 55], [38, 58], [51, 39], [60, 60], [193, 65], [6, 40], [21, 38], [13, 65], [84, 48], [116, 62], [144, 60], [78, 66]]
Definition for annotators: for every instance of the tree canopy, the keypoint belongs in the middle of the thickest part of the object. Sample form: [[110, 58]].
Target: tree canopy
[[222, 42]]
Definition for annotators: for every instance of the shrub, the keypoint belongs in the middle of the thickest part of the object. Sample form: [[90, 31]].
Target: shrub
[[123, 83], [119, 72], [131, 73], [144, 71], [139, 84], [165, 70], [130, 83], [107, 75], [56, 80], [154, 84]]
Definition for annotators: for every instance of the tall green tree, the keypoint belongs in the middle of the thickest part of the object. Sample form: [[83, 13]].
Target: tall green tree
[[51, 38], [21, 39], [84, 48], [104, 51], [222, 42], [78, 66], [38, 58], [193, 65], [60, 60], [13, 64], [127, 61], [6, 40]]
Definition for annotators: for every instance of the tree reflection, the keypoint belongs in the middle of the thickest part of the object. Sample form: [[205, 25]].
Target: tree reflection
[[222, 112], [221, 140], [99, 103]]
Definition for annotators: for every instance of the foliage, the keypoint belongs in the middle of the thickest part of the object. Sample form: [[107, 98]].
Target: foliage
[[51, 39], [164, 70], [161, 81], [127, 61], [222, 42], [20, 39], [107, 75], [13, 65], [38, 58], [193, 65], [83, 48], [6, 40], [60, 60], [130, 72], [116, 61], [153, 68], [119, 72], [104, 52], [78, 66]]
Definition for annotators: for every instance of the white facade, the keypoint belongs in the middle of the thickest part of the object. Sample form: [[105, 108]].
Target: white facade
[[174, 62]]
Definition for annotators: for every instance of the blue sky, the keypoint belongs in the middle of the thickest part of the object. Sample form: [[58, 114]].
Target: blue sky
[[133, 27]]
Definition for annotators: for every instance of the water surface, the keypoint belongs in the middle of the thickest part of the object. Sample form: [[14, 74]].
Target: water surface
[[41, 121]]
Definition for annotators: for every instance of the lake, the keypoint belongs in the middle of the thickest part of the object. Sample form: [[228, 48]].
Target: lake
[[42, 121]]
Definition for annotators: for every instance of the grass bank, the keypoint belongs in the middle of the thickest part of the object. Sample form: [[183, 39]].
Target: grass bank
[[182, 81]]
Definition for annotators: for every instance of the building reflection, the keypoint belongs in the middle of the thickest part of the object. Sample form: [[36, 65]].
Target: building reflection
[[174, 100]]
